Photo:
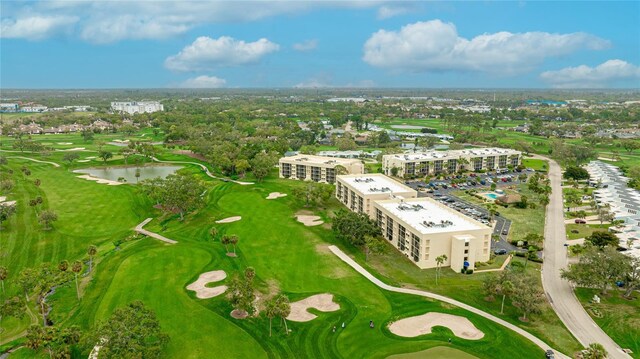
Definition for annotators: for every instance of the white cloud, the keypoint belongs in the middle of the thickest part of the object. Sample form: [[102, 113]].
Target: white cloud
[[35, 27], [391, 10], [107, 21], [436, 46], [204, 82], [584, 76], [312, 83], [206, 53], [307, 45]]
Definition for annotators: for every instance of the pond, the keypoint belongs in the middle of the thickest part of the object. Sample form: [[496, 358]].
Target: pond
[[129, 173]]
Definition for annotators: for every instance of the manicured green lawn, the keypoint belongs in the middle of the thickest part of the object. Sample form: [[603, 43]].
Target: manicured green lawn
[[536, 164], [584, 230], [617, 316], [435, 353], [285, 254]]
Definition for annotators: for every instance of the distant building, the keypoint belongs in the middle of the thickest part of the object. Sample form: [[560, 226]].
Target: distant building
[[358, 192], [424, 229], [8, 107], [137, 107], [425, 163], [34, 108], [317, 168]]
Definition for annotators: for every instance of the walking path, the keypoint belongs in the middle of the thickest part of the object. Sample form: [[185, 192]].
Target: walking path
[[504, 265], [34, 160], [206, 170], [345, 258], [559, 291], [151, 234]]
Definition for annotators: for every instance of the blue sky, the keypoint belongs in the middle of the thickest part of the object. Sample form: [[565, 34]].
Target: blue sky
[[156, 44]]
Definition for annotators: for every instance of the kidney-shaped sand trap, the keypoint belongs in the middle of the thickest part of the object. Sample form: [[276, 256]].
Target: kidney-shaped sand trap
[[422, 324], [274, 195], [322, 302], [229, 220], [309, 221], [204, 292]]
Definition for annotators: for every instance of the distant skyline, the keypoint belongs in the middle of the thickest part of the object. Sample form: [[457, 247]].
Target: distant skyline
[[317, 44]]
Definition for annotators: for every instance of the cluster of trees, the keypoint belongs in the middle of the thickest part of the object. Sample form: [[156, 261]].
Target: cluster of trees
[[358, 230], [522, 289], [602, 266], [576, 173], [177, 193], [540, 185], [313, 193]]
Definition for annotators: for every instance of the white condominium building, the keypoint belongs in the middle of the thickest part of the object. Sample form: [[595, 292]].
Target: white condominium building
[[426, 163], [424, 229], [358, 192], [317, 168], [137, 107]]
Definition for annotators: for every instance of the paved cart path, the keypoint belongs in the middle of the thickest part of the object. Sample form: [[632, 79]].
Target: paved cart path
[[345, 258], [559, 291], [205, 169], [152, 234]]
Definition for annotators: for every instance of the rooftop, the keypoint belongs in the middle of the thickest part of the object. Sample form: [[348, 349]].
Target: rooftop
[[375, 183], [311, 159], [426, 216], [454, 154]]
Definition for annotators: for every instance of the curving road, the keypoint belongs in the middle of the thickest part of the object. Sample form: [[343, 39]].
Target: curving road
[[559, 291], [345, 258]]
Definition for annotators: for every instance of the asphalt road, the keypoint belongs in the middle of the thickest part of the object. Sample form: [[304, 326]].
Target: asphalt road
[[559, 291]]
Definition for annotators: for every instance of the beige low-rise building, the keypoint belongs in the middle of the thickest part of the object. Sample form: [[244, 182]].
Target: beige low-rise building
[[424, 229], [433, 162], [317, 168], [358, 192]]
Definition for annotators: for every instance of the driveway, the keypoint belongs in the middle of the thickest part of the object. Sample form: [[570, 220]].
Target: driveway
[[559, 291]]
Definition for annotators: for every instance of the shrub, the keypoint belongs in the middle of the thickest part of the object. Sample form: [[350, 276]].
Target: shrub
[[469, 271]]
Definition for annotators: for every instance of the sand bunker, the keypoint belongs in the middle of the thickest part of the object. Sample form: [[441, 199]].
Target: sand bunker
[[204, 292], [73, 149], [274, 195], [422, 324], [309, 221], [65, 143], [84, 161], [91, 157], [229, 220], [101, 180], [322, 302]]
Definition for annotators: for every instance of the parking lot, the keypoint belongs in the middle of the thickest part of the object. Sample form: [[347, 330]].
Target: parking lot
[[479, 213]]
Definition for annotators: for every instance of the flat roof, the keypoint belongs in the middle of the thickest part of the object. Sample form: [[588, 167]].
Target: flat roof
[[425, 216], [454, 154], [311, 159], [372, 183]]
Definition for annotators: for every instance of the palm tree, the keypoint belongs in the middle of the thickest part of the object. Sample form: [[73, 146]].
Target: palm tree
[[213, 232], [595, 351], [3, 275], [341, 170], [63, 266], [506, 288], [233, 240], [271, 311], [439, 261], [225, 240], [284, 309], [77, 268], [91, 251]]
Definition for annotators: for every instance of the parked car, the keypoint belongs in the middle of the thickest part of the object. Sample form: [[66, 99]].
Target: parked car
[[505, 232], [549, 354], [500, 251], [580, 221]]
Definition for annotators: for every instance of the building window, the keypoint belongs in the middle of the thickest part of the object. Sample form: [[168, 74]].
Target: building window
[[353, 201], [286, 170], [410, 168], [316, 174], [402, 235], [331, 175], [502, 161], [379, 217], [437, 166], [415, 247], [301, 172], [452, 165], [477, 164], [360, 204], [491, 163], [389, 229]]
